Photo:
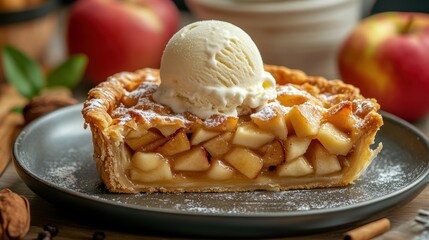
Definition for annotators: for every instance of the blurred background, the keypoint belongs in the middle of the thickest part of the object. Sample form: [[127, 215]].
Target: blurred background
[[302, 34]]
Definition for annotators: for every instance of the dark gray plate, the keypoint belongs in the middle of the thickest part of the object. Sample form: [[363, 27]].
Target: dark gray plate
[[53, 156]]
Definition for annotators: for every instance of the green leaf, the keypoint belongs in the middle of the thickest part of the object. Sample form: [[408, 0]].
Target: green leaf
[[17, 109], [22, 72], [69, 73]]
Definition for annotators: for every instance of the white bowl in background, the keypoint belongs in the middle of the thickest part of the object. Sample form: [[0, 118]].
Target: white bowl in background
[[303, 34]]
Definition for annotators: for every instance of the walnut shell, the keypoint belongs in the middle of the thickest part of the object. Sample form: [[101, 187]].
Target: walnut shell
[[14, 215], [39, 106]]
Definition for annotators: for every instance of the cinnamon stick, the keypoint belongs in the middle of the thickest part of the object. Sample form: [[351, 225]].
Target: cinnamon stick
[[369, 230], [9, 98], [10, 123], [9, 128]]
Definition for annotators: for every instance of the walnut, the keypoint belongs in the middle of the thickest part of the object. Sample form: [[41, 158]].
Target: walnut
[[14, 215], [41, 105]]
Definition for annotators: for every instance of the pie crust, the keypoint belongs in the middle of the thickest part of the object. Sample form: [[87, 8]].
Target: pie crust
[[317, 133]]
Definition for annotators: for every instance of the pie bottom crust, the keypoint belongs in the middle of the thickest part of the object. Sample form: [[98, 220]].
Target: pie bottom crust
[[104, 113]]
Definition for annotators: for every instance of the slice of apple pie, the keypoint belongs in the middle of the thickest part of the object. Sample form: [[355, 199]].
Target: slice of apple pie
[[315, 133]]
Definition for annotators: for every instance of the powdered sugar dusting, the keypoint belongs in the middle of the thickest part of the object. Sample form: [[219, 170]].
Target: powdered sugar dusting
[[146, 110], [265, 113], [289, 89], [63, 174], [215, 121], [271, 110], [143, 89]]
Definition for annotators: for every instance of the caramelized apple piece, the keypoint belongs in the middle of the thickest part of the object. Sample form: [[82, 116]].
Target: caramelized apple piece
[[341, 116], [245, 161], [139, 130], [334, 140], [168, 130], [290, 96], [274, 154], [297, 168], [219, 145], [305, 120], [249, 135], [289, 125], [145, 139], [273, 122], [295, 147], [151, 147], [201, 135], [192, 160], [323, 162], [220, 171], [161, 173], [177, 144]]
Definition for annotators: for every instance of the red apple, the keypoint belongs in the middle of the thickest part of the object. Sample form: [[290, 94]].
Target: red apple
[[120, 35], [387, 57]]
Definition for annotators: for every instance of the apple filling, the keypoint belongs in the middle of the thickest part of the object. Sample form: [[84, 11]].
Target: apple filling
[[317, 133]]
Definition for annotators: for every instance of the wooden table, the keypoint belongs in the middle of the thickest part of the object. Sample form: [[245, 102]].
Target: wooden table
[[75, 226]]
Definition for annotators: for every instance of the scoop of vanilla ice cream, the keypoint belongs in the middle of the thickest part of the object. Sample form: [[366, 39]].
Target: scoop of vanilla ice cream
[[213, 67]]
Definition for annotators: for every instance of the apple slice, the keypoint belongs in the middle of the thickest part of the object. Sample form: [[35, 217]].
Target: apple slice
[[147, 161], [219, 145], [151, 147], [323, 162], [161, 173], [249, 135], [334, 140], [193, 160], [305, 120], [220, 171], [200, 135], [274, 154], [245, 161], [273, 122], [168, 130], [290, 96], [289, 125], [139, 131], [341, 116], [138, 142], [297, 168], [296, 146], [177, 144]]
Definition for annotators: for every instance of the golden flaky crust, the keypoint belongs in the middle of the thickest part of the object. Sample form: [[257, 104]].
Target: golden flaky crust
[[97, 111], [112, 156]]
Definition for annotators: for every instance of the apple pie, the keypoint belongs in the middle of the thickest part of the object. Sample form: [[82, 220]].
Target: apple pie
[[317, 133]]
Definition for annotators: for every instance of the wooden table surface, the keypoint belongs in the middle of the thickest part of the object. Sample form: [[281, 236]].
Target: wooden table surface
[[75, 225]]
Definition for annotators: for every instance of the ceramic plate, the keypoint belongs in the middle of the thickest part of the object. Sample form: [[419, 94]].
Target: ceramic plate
[[53, 155]]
